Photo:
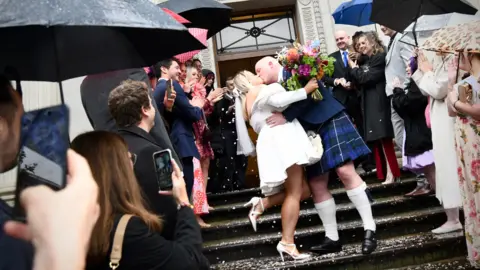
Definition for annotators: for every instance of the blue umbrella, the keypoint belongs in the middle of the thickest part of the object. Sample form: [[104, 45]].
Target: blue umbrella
[[356, 12]]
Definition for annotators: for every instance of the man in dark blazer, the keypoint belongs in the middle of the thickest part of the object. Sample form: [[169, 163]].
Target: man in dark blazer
[[135, 127], [94, 93], [183, 114], [346, 95]]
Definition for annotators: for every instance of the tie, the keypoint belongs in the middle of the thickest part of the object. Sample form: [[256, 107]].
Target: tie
[[345, 58]]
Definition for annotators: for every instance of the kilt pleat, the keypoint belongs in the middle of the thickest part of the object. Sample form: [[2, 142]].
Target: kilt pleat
[[341, 143]]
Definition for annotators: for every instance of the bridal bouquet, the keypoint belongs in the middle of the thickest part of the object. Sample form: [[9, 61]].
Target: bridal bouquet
[[305, 62]]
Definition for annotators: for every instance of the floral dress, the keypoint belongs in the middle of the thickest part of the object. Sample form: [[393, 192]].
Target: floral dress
[[204, 147], [467, 133], [199, 197]]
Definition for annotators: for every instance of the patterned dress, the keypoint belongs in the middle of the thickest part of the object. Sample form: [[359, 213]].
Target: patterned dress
[[467, 133], [204, 148], [199, 197]]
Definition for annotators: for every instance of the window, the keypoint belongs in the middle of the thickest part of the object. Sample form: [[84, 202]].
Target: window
[[257, 32]]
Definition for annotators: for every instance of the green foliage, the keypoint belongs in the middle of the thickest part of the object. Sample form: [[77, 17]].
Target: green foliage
[[293, 83]]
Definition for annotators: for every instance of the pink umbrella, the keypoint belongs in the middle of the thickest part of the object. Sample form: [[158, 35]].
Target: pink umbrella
[[177, 17], [201, 35]]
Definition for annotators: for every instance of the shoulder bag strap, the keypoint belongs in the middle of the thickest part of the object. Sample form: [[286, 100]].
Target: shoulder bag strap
[[116, 254]]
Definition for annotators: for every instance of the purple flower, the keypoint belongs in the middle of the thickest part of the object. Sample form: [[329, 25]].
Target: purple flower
[[304, 70]]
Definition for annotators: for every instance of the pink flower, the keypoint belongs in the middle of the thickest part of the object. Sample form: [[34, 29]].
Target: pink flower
[[304, 70], [476, 169]]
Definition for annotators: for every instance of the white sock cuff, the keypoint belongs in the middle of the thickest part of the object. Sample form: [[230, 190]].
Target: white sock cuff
[[357, 190], [325, 204]]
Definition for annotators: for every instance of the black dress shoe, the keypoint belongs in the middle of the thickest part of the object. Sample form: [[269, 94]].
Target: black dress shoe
[[327, 246], [369, 242]]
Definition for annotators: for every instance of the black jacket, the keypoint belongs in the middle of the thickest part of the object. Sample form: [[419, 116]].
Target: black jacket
[[410, 105], [143, 145], [370, 80], [147, 250]]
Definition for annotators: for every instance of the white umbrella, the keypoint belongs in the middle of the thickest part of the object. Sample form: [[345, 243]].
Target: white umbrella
[[428, 24]]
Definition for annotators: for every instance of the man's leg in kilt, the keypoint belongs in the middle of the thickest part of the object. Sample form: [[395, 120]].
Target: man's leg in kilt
[[326, 209]]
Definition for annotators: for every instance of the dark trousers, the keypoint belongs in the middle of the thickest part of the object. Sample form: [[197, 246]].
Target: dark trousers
[[241, 163], [188, 174]]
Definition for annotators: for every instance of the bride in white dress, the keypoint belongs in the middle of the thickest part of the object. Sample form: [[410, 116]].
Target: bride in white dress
[[281, 150]]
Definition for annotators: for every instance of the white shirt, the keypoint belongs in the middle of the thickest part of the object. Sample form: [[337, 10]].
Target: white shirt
[[280, 76]]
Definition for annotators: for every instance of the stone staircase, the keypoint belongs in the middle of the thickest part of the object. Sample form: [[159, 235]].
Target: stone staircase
[[403, 230]]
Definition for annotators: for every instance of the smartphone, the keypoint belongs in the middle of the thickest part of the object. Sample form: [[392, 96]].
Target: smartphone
[[169, 88], [42, 158], [162, 161]]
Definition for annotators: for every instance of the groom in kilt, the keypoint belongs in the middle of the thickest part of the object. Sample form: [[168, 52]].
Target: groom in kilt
[[342, 145]]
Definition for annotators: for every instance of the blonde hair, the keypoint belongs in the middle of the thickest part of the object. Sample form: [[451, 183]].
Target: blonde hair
[[189, 71], [243, 85], [373, 39]]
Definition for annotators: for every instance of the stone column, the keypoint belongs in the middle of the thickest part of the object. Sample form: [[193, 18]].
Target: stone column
[[310, 23]]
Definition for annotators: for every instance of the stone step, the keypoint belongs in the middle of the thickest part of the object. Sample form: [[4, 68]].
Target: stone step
[[399, 251], [272, 222], [243, 196], [377, 190], [449, 264], [239, 247]]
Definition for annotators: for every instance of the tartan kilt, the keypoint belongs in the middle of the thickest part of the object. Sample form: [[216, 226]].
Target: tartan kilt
[[341, 143]]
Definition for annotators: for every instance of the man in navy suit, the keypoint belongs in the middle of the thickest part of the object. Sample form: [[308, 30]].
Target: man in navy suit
[[182, 116], [342, 145]]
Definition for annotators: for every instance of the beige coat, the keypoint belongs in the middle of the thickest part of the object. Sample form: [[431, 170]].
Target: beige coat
[[435, 85]]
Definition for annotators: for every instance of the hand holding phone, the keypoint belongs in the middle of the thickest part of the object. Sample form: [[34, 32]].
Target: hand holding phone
[[162, 160]]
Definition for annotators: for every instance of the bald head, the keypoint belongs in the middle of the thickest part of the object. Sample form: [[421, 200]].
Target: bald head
[[342, 39], [268, 69]]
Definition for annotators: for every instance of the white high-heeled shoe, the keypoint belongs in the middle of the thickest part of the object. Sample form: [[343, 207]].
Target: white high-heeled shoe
[[283, 248], [253, 214]]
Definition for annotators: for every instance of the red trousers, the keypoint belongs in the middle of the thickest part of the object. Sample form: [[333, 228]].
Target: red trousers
[[382, 157]]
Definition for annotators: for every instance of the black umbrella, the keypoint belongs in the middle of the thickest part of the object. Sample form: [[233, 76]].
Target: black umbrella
[[55, 40], [399, 14], [206, 14]]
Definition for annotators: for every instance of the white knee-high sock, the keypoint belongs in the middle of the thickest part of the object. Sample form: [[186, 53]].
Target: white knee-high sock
[[360, 199], [327, 210]]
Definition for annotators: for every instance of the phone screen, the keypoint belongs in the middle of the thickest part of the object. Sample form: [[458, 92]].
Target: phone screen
[[169, 88], [164, 169], [43, 151]]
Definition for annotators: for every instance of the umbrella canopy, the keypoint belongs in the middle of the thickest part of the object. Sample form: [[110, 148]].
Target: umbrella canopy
[[55, 40], [206, 14], [399, 14], [356, 12], [201, 35], [427, 24], [459, 38]]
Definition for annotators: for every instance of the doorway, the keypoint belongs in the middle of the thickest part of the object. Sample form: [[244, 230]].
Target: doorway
[[230, 68]]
